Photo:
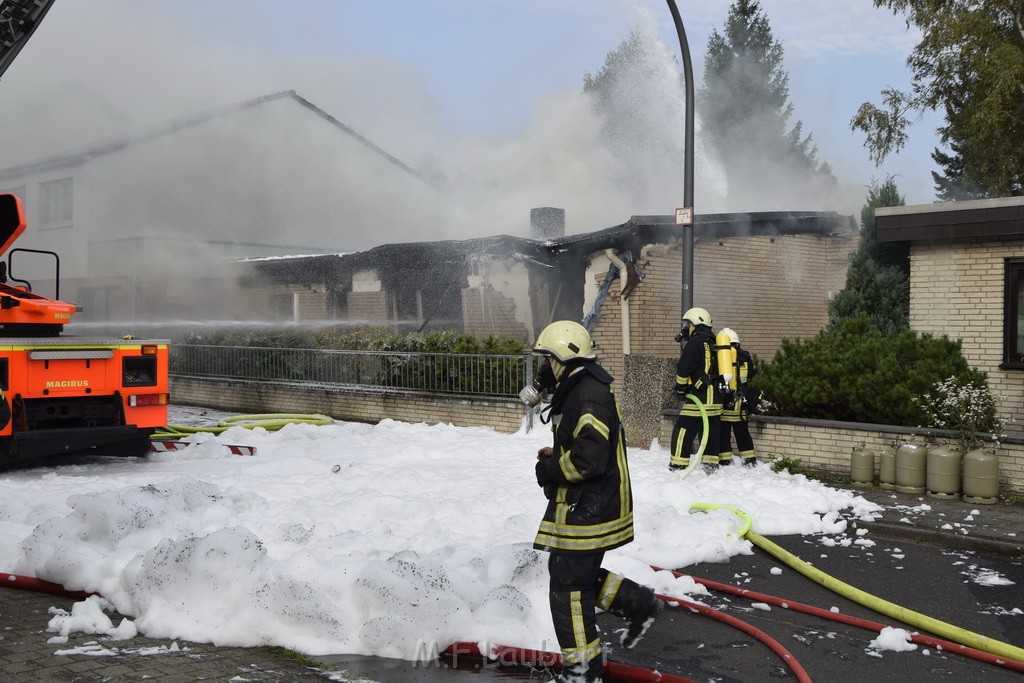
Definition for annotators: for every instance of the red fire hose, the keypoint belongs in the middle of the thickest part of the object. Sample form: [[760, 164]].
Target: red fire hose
[[29, 583], [512, 655], [617, 671], [505, 655]]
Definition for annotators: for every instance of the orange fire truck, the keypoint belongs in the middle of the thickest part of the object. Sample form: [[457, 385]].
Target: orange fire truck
[[66, 394]]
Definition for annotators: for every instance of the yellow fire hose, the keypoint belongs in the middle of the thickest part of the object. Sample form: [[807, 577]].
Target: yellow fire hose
[[902, 614], [269, 421]]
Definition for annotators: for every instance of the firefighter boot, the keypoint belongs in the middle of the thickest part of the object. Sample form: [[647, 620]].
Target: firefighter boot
[[628, 599], [641, 621], [585, 672]]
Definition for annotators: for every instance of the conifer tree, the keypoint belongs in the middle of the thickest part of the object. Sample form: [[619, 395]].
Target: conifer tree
[[745, 114], [878, 278]]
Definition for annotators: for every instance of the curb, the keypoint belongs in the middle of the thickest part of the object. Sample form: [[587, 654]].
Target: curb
[[972, 542]]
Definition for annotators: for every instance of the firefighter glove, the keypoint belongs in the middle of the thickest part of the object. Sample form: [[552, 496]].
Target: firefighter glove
[[543, 478]]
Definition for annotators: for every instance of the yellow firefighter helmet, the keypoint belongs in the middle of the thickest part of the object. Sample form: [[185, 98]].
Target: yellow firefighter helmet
[[697, 316], [565, 340]]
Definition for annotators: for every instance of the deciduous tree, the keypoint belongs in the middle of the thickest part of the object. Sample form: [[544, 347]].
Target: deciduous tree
[[970, 65]]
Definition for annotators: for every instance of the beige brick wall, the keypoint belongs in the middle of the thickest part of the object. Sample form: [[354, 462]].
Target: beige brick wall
[[826, 447], [370, 308], [310, 305], [956, 289], [357, 406], [488, 312], [765, 288]]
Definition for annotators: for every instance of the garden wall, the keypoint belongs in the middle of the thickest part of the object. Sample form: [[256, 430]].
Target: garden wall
[[343, 403], [826, 446], [820, 445]]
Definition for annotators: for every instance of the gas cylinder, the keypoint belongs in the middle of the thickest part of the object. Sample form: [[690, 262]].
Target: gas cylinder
[[887, 469], [981, 476], [910, 468], [862, 466], [943, 472]]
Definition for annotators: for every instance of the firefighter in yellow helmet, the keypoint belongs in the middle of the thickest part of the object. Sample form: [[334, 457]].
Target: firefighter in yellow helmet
[[735, 408], [585, 477], [696, 377]]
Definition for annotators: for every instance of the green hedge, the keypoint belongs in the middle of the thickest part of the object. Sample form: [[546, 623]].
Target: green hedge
[[358, 339], [855, 373], [483, 375]]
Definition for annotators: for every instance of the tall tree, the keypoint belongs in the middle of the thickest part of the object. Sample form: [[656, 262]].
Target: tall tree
[[970, 64], [877, 280], [745, 112]]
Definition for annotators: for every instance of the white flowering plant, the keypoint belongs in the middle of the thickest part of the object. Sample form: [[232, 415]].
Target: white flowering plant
[[963, 406]]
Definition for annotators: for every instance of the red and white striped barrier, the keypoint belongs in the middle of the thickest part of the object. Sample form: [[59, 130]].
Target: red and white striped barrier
[[165, 446]]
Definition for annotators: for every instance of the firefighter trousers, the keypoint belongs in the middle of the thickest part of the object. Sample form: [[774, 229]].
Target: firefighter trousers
[[578, 587], [744, 442], [689, 428]]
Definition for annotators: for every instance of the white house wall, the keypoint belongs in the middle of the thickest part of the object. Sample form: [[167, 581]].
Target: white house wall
[[276, 173]]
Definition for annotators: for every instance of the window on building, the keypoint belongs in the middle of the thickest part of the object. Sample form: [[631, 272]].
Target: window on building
[[56, 203], [1013, 320]]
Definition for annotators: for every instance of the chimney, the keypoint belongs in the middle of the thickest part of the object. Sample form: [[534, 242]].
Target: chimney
[[547, 223]]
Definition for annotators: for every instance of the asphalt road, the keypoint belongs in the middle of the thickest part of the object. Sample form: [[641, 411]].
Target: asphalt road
[[943, 584]]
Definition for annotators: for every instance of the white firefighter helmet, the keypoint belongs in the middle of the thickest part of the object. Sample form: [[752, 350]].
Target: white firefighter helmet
[[565, 340], [733, 337], [697, 316]]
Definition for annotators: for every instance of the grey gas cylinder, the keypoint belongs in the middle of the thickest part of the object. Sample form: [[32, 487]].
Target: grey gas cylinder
[[943, 472], [981, 476], [887, 469], [862, 466], [910, 468]]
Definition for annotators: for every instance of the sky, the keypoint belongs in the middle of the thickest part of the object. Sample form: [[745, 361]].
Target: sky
[[488, 90], [337, 539]]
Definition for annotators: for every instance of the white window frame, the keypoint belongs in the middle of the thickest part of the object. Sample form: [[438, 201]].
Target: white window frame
[[56, 203]]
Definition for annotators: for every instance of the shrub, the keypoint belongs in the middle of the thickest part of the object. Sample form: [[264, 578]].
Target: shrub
[[484, 375], [358, 339], [855, 373], [966, 407]]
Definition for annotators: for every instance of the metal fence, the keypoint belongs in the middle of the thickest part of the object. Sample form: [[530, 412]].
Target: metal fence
[[446, 373]]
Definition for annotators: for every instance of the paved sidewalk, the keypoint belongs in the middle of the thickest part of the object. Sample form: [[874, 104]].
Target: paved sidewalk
[[952, 523], [25, 654]]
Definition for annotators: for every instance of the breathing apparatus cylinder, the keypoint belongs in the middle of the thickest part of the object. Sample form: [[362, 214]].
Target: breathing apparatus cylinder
[[726, 359]]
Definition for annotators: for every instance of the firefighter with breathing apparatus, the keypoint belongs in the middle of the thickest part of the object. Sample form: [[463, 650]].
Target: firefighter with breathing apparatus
[[698, 388], [585, 477], [736, 368]]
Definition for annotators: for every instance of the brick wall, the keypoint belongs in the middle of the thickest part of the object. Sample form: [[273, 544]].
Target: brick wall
[[956, 289], [310, 305], [765, 288], [370, 308], [826, 446], [356, 406], [486, 311]]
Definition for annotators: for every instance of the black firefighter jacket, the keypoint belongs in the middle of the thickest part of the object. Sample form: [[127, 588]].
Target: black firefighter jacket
[[590, 504], [696, 373]]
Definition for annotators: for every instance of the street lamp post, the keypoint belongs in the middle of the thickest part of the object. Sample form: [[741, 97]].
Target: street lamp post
[[687, 285]]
